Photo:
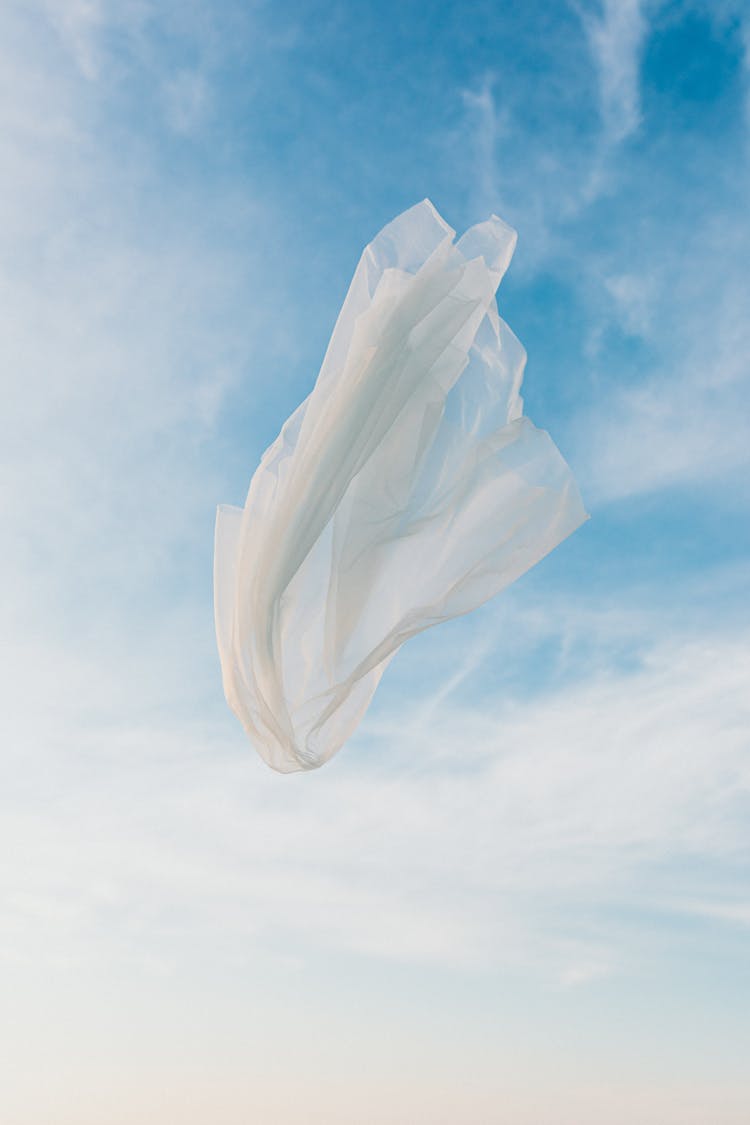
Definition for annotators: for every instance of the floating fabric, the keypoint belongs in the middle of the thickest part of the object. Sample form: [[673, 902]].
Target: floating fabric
[[405, 490]]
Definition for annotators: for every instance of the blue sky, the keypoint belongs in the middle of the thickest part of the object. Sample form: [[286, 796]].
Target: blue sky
[[521, 893]]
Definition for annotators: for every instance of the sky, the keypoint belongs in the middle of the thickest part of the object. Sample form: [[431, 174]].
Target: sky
[[520, 895]]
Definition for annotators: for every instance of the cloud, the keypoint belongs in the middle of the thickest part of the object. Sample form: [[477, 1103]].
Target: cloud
[[490, 124], [635, 300], [83, 28], [544, 179], [452, 834], [656, 242], [78, 23], [559, 788], [677, 420], [512, 830], [669, 435], [616, 36], [131, 300]]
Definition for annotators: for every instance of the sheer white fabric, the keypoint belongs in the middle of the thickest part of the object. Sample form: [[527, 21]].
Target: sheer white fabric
[[405, 490]]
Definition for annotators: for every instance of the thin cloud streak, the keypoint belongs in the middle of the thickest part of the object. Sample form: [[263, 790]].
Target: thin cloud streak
[[672, 289], [681, 421], [616, 36], [455, 838]]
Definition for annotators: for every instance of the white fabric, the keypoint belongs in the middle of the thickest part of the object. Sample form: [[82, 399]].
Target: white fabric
[[405, 490]]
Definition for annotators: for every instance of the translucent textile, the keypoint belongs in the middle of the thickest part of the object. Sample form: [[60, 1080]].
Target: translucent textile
[[405, 490]]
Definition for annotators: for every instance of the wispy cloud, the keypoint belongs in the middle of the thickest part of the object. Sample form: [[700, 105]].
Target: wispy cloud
[[679, 419], [513, 813], [131, 301], [489, 125], [616, 34], [660, 292], [545, 182], [511, 832]]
